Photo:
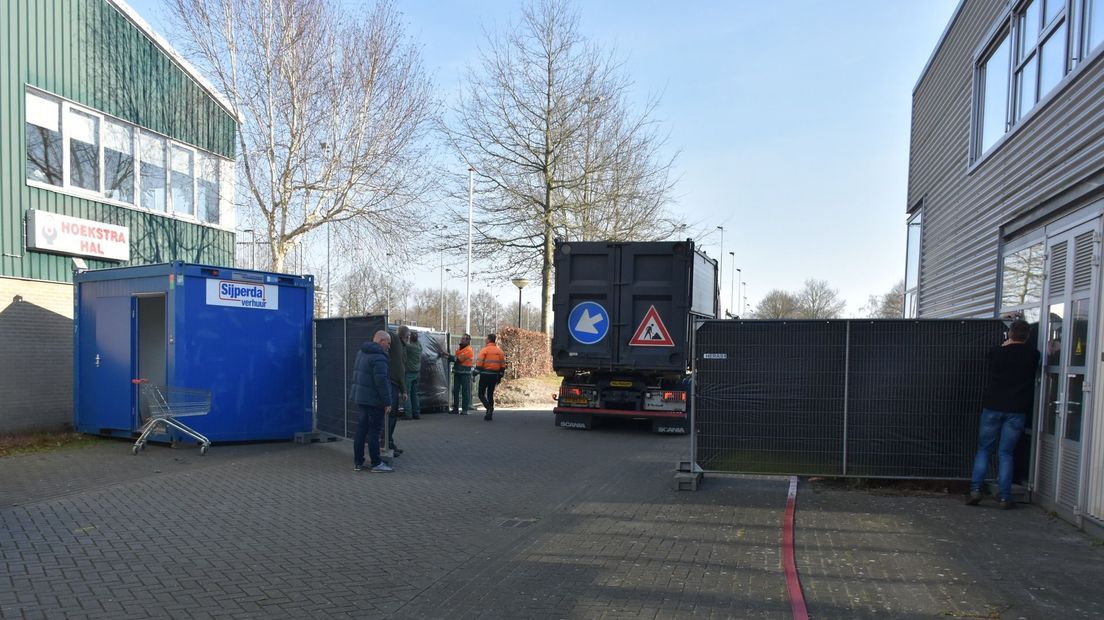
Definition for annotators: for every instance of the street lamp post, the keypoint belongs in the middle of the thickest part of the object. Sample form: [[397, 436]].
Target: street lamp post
[[467, 286], [252, 247], [744, 284], [720, 262], [520, 283], [444, 305], [732, 308]]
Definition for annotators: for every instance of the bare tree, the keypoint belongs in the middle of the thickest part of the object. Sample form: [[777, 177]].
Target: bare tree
[[888, 305], [777, 304], [365, 290], [334, 109], [819, 301], [546, 125]]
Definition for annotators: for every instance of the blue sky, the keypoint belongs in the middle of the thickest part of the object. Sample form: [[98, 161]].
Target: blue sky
[[791, 119]]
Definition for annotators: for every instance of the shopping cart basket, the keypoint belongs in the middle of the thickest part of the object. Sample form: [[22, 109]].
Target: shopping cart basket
[[166, 404]]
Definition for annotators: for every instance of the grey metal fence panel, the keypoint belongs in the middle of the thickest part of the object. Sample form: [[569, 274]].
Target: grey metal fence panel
[[337, 341], [914, 396], [866, 398], [769, 396]]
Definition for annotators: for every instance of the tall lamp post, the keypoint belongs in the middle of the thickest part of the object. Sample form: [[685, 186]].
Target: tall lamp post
[[252, 247], [444, 306], [471, 192], [744, 284], [520, 283], [720, 265], [732, 285]]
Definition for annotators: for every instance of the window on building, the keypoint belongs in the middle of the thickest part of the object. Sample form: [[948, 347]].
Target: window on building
[[993, 107], [83, 131], [207, 183], [118, 162], [1033, 50], [91, 155], [912, 266], [152, 177], [183, 180], [1094, 25], [1022, 278], [1041, 51], [43, 133]]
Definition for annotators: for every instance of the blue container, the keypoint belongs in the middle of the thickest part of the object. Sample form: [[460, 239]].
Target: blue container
[[244, 335]]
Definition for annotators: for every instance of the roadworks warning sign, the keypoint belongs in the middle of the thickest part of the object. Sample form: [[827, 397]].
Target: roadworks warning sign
[[652, 332]]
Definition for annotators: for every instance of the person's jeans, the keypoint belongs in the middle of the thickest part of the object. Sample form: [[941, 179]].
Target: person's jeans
[[487, 384], [393, 419], [413, 404], [1005, 428], [370, 425], [461, 391]]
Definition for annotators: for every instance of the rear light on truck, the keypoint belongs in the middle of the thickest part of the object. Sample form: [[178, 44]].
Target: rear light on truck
[[668, 400], [578, 396]]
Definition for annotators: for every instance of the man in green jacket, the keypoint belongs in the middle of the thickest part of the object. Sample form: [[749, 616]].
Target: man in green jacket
[[413, 353], [398, 382]]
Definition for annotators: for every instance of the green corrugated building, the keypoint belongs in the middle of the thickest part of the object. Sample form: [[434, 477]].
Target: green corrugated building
[[113, 151]]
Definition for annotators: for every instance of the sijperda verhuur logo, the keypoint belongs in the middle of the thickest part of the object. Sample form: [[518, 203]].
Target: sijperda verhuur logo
[[248, 295]]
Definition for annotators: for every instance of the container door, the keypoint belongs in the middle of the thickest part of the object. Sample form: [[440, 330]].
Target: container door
[[112, 365], [1067, 363], [654, 305], [586, 318]]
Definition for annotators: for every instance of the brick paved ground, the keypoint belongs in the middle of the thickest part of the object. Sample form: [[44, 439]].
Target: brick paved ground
[[513, 519]]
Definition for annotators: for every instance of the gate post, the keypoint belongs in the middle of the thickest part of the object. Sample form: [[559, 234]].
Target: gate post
[[689, 475], [846, 380]]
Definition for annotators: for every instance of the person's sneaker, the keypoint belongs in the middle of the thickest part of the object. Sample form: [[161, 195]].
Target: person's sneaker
[[974, 498], [487, 417], [358, 467], [1006, 504], [382, 468], [453, 412], [396, 451]]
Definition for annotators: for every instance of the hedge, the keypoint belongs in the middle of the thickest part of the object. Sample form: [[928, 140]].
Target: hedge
[[528, 354]]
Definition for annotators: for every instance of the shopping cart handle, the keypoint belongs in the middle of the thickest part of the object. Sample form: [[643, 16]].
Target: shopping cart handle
[[137, 381]]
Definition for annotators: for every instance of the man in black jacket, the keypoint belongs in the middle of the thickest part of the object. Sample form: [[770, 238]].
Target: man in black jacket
[[1006, 403], [371, 391]]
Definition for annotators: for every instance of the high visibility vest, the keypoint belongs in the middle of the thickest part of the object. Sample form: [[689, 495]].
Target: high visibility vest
[[464, 359], [491, 359]]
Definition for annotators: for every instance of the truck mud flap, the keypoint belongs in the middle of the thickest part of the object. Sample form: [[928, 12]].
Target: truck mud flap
[[667, 426], [574, 420]]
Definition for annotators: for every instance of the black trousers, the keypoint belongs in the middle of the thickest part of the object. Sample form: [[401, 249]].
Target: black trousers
[[487, 385]]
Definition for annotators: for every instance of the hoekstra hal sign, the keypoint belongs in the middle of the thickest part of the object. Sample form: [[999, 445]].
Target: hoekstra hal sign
[[62, 234]]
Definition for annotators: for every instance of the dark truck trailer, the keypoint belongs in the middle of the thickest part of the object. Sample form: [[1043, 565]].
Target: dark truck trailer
[[621, 339]]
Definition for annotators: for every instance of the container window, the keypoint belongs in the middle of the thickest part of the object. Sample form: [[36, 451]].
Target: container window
[[43, 129]]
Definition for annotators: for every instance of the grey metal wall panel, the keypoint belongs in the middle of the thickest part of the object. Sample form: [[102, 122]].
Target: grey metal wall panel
[[1059, 147]]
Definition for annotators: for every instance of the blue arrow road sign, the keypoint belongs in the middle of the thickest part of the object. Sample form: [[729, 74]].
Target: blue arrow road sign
[[588, 322]]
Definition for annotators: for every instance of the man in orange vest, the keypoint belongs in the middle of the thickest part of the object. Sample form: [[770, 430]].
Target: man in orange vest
[[461, 376], [491, 365]]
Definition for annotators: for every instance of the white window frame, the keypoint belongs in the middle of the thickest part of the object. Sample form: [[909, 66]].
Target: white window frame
[[1077, 56], [916, 218], [225, 219]]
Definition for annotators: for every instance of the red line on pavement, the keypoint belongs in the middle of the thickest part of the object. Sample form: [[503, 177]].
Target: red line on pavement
[[789, 566]]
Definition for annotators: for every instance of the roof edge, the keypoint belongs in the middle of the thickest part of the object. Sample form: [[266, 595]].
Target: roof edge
[[939, 44], [161, 42]]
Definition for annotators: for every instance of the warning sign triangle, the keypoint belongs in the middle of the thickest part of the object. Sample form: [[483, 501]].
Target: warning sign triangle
[[652, 332]]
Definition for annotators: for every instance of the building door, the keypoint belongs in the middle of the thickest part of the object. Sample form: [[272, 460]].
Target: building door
[[1069, 310]]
